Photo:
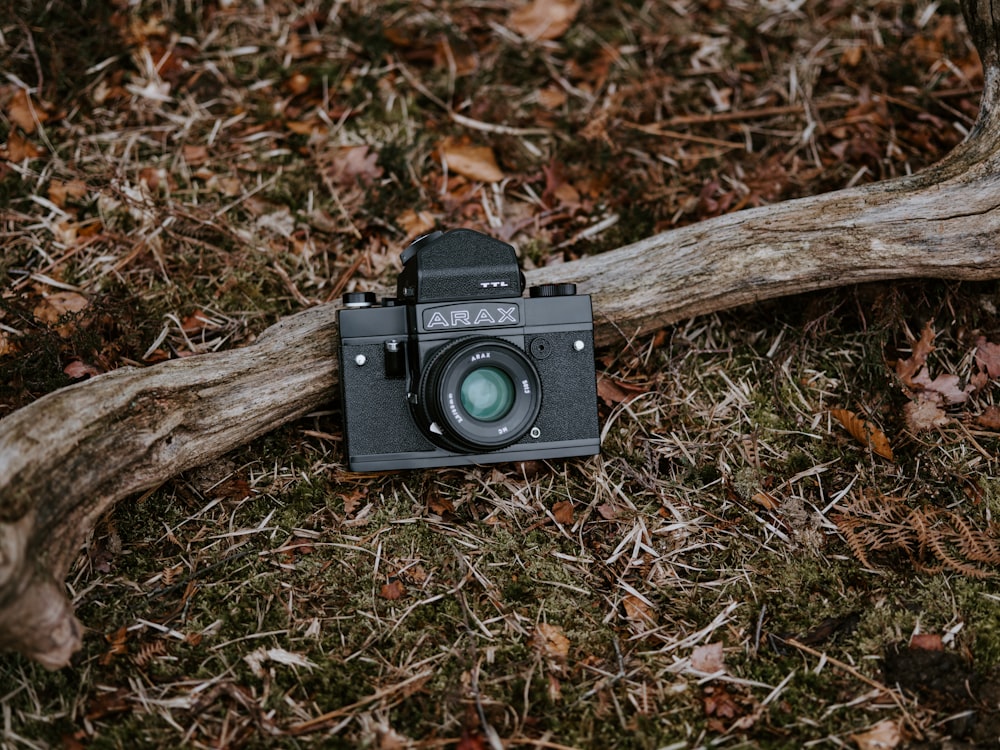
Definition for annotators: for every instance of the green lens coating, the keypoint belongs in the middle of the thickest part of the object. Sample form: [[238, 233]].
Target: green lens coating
[[487, 394]]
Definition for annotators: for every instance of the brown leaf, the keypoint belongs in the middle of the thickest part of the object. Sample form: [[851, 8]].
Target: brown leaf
[[544, 19], [766, 500], [353, 501], [927, 642], [990, 418], [392, 590], [7, 346], [415, 224], [719, 702], [195, 155], [864, 432], [923, 414], [439, 504], [988, 357], [944, 387], [906, 369], [54, 306], [353, 164], [474, 162], [563, 512], [640, 614], [471, 740], [613, 391], [20, 148], [60, 192], [197, 322], [77, 369], [883, 736], [607, 512], [23, 113], [558, 190], [708, 658], [552, 97], [551, 641]]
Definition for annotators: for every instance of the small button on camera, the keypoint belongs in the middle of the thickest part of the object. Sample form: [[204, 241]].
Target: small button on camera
[[552, 290], [358, 300], [540, 348]]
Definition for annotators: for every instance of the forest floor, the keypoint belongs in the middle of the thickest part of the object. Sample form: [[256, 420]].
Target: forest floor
[[789, 539]]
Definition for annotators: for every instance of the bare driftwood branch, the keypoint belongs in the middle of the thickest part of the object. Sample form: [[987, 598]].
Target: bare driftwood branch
[[67, 458]]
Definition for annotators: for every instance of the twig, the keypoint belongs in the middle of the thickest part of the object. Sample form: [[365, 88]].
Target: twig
[[317, 723], [863, 678]]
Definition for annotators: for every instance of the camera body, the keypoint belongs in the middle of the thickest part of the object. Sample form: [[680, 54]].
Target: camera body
[[459, 368]]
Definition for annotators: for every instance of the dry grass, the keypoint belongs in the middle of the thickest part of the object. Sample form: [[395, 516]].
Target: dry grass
[[178, 177]]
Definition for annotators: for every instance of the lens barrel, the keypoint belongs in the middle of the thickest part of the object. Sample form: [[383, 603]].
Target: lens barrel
[[482, 393]]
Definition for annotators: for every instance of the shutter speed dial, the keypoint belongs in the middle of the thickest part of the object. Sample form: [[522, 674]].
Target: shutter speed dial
[[552, 290]]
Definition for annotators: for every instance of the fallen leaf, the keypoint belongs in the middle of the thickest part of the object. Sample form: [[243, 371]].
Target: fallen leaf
[[883, 736], [353, 164], [471, 740], [439, 504], [297, 84], [708, 658], [20, 148], [197, 322], [613, 391], [988, 420], [305, 127], [54, 306], [944, 387], [988, 357], [563, 512], [551, 641], [474, 162], [927, 642], [415, 224], [923, 414], [77, 369], [544, 19], [392, 590], [60, 192], [558, 190], [916, 377], [864, 432], [639, 613], [195, 155], [552, 97], [607, 512], [718, 702], [7, 345], [23, 113], [766, 500], [906, 369], [353, 501]]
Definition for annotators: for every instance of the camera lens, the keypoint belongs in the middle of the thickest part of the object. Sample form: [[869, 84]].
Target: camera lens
[[479, 393], [487, 394]]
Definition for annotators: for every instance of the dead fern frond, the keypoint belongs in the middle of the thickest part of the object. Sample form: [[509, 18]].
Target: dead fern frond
[[934, 540], [149, 651]]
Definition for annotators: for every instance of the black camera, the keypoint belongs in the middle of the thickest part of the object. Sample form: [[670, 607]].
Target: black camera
[[460, 368]]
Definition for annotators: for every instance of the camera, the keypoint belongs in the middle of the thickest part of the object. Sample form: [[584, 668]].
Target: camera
[[460, 368]]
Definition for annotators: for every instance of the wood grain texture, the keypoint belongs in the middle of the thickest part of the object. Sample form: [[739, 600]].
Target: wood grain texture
[[68, 457]]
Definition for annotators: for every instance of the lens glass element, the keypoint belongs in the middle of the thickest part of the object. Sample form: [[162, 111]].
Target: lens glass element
[[487, 394]]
